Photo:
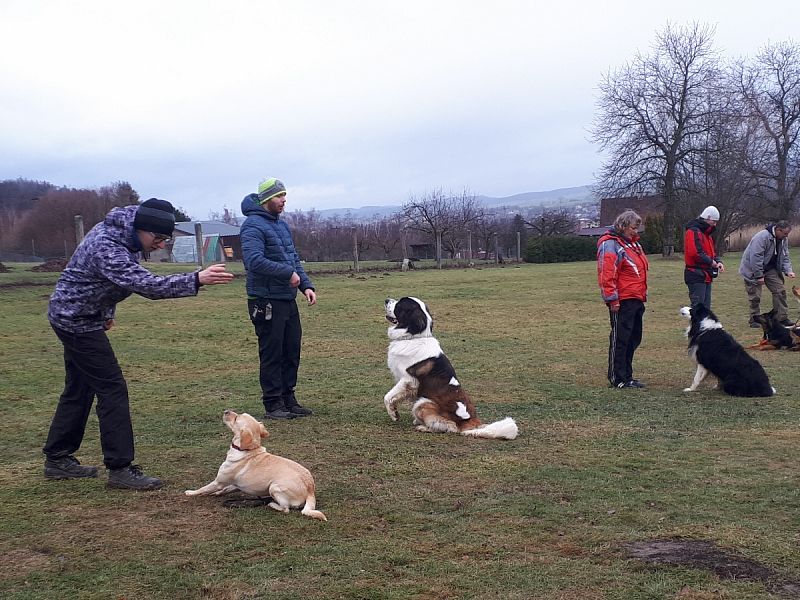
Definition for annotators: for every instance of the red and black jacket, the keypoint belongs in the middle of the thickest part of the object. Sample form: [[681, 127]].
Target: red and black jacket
[[699, 252], [621, 268]]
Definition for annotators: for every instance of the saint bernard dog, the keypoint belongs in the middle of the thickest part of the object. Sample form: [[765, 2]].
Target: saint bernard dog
[[716, 352], [425, 377]]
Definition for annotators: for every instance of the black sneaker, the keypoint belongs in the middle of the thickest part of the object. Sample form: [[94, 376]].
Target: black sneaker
[[279, 414], [633, 383], [787, 323], [300, 411], [67, 467], [754, 324], [132, 478]]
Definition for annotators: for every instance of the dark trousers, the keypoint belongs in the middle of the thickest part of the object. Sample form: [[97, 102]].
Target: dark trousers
[[279, 340], [91, 370], [700, 293], [625, 337]]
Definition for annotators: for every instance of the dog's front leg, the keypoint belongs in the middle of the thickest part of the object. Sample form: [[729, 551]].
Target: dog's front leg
[[699, 375], [403, 390], [211, 488]]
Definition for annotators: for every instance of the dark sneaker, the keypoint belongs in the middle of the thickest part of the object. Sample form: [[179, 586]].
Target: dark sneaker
[[279, 414], [754, 324], [132, 478], [300, 411], [67, 467], [633, 383], [787, 323]]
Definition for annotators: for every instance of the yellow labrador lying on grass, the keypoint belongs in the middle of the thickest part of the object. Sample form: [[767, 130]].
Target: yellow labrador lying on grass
[[249, 468]]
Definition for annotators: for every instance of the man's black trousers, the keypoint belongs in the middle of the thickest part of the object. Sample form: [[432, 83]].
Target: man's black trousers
[[91, 370], [279, 339]]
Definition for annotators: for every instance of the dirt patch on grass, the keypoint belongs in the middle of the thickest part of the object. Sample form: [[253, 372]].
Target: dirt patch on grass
[[701, 554], [20, 562], [55, 265], [584, 430]]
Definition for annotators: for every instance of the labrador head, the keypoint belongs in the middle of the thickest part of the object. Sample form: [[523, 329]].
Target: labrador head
[[247, 431]]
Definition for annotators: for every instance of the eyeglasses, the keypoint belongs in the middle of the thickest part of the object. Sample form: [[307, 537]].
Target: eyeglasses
[[157, 238]]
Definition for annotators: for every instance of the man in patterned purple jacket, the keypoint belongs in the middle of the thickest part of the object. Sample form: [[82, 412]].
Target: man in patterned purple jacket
[[104, 271]]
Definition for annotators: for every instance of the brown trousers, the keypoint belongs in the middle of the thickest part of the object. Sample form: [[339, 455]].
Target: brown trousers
[[773, 281]]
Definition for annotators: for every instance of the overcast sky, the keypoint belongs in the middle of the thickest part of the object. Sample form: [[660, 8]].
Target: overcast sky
[[350, 103]]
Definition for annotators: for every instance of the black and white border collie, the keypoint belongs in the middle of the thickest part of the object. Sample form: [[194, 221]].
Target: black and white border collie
[[425, 377], [716, 352]]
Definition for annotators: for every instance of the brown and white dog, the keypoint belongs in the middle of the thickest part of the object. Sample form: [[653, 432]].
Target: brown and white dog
[[249, 468], [425, 377]]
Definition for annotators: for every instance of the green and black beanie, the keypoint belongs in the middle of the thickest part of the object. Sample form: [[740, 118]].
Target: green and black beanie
[[269, 188]]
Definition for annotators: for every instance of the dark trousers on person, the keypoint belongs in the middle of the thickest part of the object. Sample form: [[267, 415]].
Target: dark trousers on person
[[625, 337], [700, 293], [277, 325], [91, 370]]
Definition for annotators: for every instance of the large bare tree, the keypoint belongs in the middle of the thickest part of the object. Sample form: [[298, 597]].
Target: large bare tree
[[770, 88], [443, 217], [654, 113]]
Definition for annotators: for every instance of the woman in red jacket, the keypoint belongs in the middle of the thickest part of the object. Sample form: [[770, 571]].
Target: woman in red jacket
[[622, 275]]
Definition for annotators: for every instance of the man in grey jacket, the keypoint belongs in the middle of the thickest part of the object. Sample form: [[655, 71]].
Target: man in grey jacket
[[103, 271], [764, 263]]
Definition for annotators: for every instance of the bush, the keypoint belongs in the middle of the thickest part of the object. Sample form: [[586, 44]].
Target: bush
[[561, 248]]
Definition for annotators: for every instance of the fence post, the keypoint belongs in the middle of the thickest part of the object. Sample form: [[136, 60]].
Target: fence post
[[78, 230], [519, 255], [355, 249], [439, 249], [198, 240], [496, 249]]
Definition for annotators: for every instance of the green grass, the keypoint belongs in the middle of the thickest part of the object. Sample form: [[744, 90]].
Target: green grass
[[411, 515]]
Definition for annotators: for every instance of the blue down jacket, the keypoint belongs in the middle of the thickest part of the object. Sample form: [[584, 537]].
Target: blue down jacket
[[269, 254], [103, 271]]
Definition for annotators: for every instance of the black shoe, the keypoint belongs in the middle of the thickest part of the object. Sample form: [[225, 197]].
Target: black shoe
[[300, 411], [67, 467], [132, 478], [633, 383], [787, 323], [754, 324], [280, 414], [293, 406]]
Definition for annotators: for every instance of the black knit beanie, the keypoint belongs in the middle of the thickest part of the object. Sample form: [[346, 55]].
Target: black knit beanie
[[155, 216]]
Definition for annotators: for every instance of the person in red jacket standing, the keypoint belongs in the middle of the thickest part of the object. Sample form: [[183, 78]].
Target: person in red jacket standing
[[622, 275], [700, 256]]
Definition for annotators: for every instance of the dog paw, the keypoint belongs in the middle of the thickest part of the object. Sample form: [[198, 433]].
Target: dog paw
[[688, 389]]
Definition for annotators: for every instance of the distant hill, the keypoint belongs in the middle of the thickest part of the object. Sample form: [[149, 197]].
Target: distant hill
[[558, 197]]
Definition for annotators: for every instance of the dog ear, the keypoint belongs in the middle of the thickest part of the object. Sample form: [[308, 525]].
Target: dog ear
[[264, 432], [245, 439]]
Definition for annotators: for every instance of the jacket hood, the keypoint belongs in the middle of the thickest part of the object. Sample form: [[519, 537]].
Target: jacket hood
[[700, 224], [250, 206], [612, 233], [118, 225]]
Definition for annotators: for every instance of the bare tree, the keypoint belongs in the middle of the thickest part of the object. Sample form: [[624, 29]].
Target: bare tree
[[654, 113], [443, 217], [770, 89], [553, 222]]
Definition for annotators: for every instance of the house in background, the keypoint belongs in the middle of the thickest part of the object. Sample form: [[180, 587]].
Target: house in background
[[220, 240], [645, 206]]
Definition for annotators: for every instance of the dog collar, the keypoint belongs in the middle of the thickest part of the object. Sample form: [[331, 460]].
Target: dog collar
[[235, 447]]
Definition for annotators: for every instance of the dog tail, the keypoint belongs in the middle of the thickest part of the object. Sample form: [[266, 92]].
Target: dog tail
[[308, 509], [505, 429]]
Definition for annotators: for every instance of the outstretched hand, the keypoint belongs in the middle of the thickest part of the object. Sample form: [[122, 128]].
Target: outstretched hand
[[215, 274]]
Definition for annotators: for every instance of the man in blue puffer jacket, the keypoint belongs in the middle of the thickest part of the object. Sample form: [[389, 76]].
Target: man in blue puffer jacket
[[274, 274]]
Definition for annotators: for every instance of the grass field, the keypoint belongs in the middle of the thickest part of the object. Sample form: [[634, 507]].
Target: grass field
[[549, 515]]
